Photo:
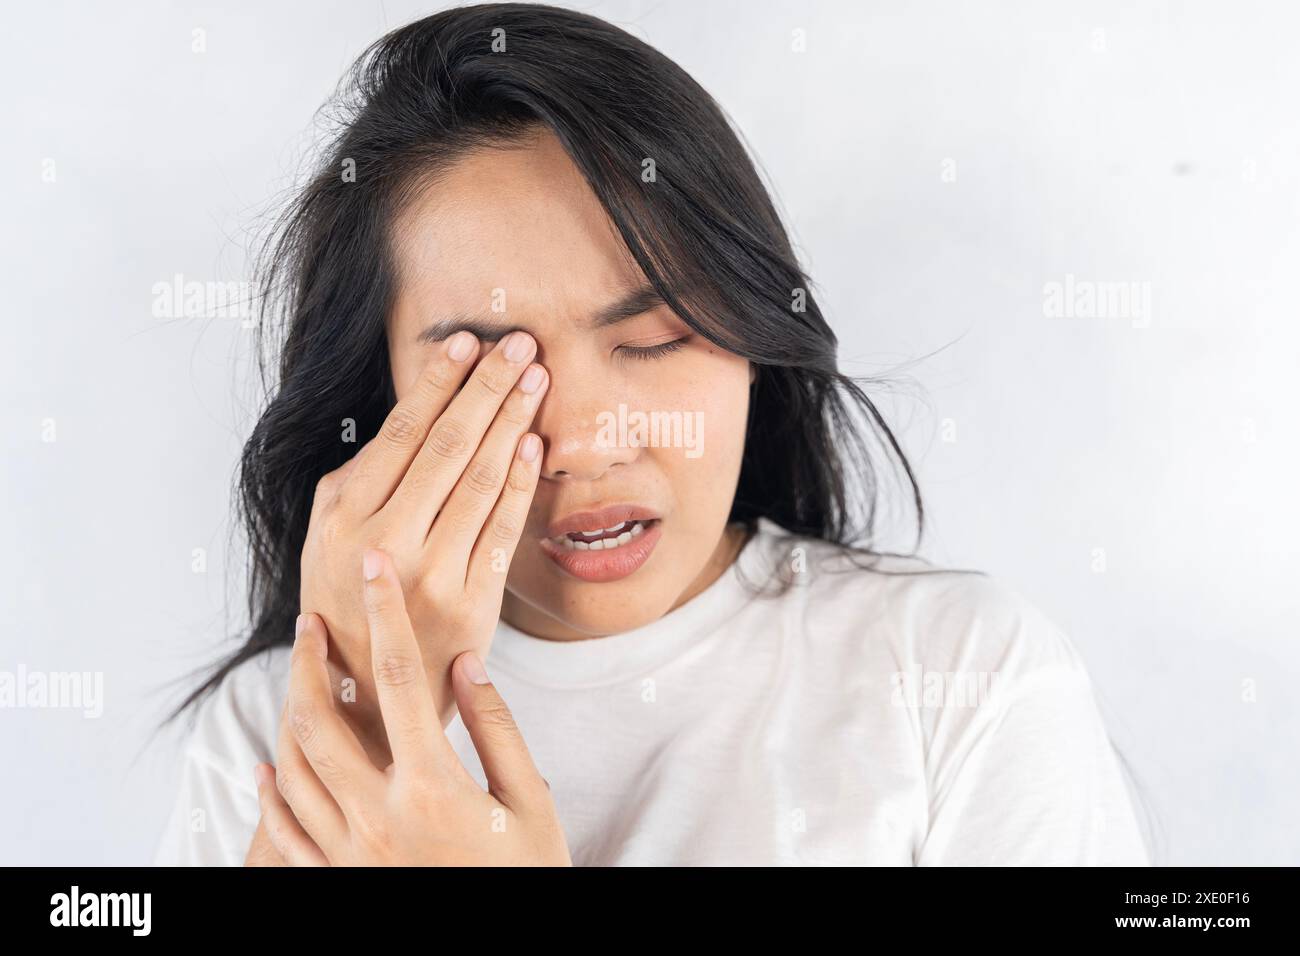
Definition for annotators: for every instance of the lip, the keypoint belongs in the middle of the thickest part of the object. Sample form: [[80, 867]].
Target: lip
[[600, 518], [599, 567]]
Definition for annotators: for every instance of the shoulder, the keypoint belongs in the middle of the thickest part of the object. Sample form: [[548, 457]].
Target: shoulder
[[915, 614], [1014, 760], [968, 621]]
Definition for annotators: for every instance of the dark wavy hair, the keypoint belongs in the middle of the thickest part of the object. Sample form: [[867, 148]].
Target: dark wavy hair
[[705, 233]]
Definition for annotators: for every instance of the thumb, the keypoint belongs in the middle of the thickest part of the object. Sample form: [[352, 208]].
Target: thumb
[[511, 775]]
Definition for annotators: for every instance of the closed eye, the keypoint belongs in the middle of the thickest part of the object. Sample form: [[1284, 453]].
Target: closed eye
[[644, 353]]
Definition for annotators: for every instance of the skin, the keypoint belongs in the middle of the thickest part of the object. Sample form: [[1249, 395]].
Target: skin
[[424, 808], [525, 221], [443, 512]]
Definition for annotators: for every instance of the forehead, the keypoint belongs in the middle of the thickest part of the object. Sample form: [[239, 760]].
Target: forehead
[[519, 218]]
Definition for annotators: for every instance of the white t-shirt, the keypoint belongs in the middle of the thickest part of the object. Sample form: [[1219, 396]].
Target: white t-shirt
[[860, 718]]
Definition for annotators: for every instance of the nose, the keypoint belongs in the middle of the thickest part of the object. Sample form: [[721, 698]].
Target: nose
[[578, 423]]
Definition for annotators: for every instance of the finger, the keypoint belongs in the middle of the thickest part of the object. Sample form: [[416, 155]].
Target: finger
[[383, 461], [456, 435], [459, 524], [411, 720], [511, 775], [261, 852], [495, 549], [281, 826], [336, 756], [307, 796], [308, 800]]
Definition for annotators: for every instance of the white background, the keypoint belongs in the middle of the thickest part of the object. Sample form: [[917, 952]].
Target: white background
[[1163, 149]]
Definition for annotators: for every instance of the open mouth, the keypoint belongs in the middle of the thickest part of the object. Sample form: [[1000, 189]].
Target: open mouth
[[604, 539], [601, 555]]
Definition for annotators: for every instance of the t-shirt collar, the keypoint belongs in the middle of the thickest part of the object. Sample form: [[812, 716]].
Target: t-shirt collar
[[603, 660]]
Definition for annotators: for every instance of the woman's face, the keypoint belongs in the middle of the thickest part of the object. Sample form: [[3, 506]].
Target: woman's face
[[513, 238]]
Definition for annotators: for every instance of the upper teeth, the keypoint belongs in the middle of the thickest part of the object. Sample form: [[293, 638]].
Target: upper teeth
[[602, 543]]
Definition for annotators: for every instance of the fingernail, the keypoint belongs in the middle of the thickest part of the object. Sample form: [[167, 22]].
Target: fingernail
[[461, 346], [518, 346], [532, 379], [298, 625], [371, 564], [529, 447], [473, 668]]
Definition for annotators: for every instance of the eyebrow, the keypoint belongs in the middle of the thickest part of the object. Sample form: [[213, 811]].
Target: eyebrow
[[635, 303]]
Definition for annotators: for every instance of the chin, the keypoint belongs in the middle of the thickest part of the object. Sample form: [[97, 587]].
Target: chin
[[593, 609]]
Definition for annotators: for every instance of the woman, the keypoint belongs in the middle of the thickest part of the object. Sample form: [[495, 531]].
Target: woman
[[593, 589]]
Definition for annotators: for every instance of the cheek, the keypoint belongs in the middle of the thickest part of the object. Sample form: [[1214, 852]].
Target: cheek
[[721, 387], [712, 392]]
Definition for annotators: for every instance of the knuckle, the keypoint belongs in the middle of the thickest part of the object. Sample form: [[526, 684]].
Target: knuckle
[[430, 588], [519, 480], [448, 439], [492, 385], [382, 533], [327, 768], [440, 376], [287, 783], [327, 499], [325, 486], [424, 791], [395, 669], [497, 719], [402, 426], [514, 413], [342, 491], [483, 477], [306, 723], [506, 527], [463, 521]]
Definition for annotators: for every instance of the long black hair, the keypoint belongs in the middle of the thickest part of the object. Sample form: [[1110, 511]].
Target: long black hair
[[702, 227]]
